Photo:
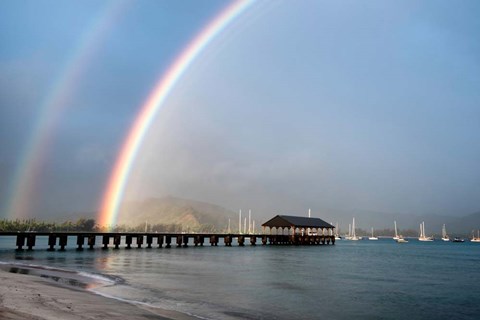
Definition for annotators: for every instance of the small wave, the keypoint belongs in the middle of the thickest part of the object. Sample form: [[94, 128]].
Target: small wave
[[108, 279], [55, 272], [36, 266], [144, 304]]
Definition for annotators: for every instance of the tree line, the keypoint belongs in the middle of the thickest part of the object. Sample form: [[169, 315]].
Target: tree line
[[90, 225], [165, 228], [81, 224]]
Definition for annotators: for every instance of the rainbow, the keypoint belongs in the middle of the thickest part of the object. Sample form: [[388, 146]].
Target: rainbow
[[57, 99], [116, 185]]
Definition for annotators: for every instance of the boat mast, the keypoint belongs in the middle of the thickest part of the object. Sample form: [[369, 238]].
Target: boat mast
[[240, 221], [353, 228]]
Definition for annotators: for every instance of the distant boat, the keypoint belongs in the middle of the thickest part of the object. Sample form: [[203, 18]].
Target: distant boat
[[456, 239], [401, 240], [396, 233], [337, 236], [476, 239], [372, 237], [353, 237], [349, 235], [422, 236], [445, 236]]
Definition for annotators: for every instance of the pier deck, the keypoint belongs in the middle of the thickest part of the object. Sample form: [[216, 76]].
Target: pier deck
[[59, 240]]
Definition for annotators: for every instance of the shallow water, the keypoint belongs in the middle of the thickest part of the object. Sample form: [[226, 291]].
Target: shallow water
[[352, 279]]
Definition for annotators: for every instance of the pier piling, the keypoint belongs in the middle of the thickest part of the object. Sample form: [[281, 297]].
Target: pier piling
[[241, 241], [160, 241], [214, 240], [179, 241], [20, 241], [149, 241], [52, 242], [105, 242], [168, 241], [128, 242], [80, 241], [91, 241], [116, 241], [228, 241], [62, 242], [31, 241], [264, 240], [139, 241]]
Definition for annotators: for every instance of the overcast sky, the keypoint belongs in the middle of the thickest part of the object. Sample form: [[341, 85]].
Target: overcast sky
[[338, 106]]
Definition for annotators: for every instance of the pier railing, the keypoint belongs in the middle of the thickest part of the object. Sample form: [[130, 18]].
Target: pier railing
[[139, 239]]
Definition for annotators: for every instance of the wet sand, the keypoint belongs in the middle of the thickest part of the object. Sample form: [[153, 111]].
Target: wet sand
[[30, 297]]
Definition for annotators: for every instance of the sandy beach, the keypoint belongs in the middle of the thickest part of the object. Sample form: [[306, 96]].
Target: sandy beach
[[30, 297]]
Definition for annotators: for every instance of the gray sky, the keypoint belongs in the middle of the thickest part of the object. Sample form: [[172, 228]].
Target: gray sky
[[339, 107]]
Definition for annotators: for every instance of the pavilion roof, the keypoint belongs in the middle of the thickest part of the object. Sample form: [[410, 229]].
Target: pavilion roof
[[296, 221]]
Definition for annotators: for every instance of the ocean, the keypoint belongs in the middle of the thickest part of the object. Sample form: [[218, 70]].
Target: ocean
[[349, 280]]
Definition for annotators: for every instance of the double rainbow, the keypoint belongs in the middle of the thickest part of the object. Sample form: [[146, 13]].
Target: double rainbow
[[119, 176]]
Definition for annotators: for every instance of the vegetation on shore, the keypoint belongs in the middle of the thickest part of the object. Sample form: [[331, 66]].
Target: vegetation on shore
[[44, 226], [90, 225]]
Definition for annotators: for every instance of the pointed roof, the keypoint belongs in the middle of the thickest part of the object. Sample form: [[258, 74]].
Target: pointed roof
[[296, 221]]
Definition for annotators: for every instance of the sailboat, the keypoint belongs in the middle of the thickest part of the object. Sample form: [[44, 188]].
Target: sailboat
[[396, 233], [423, 237], [476, 239], [349, 235], [353, 237], [337, 235], [445, 236], [372, 237], [402, 240]]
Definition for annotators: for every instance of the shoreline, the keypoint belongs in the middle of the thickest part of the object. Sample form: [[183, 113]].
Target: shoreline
[[29, 294]]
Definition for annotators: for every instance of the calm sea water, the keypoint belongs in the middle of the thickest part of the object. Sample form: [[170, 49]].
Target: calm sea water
[[360, 280]]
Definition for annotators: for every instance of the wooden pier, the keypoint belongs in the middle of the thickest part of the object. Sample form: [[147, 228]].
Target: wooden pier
[[89, 240], [282, 230]]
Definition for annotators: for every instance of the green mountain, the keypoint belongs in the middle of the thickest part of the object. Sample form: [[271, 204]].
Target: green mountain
[[190, 215]]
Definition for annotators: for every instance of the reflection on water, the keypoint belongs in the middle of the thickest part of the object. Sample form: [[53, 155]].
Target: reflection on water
[[363, 280]]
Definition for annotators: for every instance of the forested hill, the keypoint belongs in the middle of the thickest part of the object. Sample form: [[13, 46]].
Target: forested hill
[[176, 213]]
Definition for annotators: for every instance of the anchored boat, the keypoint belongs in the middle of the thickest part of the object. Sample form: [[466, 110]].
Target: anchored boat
[[372, 237], [445, 236], [423, 237]]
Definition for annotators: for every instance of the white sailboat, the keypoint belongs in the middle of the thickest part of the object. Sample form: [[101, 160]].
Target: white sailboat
[[445, 236], [372, 237], [423, 237], [398, 238], [353, 237], [337, 233], [349, 235], [476, 239], [396, 233]]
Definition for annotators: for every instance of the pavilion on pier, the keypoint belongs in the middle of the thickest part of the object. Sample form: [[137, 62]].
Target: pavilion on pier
[[296, 225]]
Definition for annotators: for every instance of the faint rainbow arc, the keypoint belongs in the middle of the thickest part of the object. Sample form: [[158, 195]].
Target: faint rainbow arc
[[116, 185], [55, 102]]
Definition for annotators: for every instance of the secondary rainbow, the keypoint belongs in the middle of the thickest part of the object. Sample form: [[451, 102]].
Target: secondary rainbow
[[119, 176], [57, 99]]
